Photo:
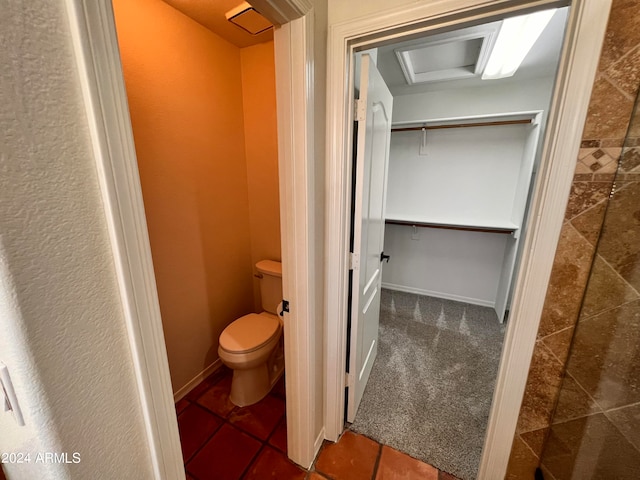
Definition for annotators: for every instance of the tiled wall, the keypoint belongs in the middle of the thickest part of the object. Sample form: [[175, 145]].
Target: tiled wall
[[610, 111]]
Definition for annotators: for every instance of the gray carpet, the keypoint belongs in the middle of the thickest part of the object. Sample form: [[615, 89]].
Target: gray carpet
[[431, 386]]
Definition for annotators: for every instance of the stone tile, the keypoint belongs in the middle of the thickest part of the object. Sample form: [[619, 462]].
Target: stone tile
[[605, 177], [605, 356], [559, 343], [216, 397], [259, 419], [622, 32], [630, 159], [353, 457], [590, 222], [225, 456], [573, 402], [196, 425], [589, 144], [585, 195], [535, 440], [627, 420], [590, 447], [612, 142], [625, 73], [522, 462], [605, 290], [567, 283], [609, 111], [620, 242], [583, 177], [395, 465], [581, 170], [273, 464], [543, 384]]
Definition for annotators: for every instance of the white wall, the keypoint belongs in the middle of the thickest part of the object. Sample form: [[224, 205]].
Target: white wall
[[533, 94], [469, 177], [458, 265], [63, 333]]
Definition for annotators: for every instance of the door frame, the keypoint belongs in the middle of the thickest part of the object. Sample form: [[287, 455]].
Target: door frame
[[585, 33], [95, 45]]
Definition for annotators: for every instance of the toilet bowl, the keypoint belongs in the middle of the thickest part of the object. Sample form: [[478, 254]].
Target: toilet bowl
[[252, 344]]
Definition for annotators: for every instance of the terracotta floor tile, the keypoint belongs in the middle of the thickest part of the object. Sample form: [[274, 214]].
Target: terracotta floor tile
[[225, 456], [273, 464], [216, 398], [181, 405], [446, 476], [196, 425], [206, 384], [352, 458], [316, 476], [279, 389], [395, 465], [259, 419], [279, 437]]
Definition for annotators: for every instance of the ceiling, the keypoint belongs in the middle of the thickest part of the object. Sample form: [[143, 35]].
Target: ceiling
[[541, 60], [211, 15]]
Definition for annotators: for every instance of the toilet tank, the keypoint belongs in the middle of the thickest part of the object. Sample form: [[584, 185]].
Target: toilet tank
[[270, 284]]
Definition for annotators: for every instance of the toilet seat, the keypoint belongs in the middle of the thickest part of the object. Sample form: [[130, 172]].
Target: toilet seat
[[249, 333]]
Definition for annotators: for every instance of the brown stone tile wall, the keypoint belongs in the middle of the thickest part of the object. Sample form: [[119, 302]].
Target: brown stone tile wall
[[590, 390]]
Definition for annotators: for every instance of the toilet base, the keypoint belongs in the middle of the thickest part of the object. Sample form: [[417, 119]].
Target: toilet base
[[249, 386]]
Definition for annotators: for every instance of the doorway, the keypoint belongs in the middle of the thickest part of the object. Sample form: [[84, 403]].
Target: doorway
[[357, 37], [203, 111], [463, 155]]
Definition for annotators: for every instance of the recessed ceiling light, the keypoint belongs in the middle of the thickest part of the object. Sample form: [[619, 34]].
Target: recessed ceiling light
[[517, 36]]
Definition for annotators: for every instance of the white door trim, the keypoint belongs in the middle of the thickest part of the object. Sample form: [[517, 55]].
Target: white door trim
[[100, 75], [587, 25], [294, 89]]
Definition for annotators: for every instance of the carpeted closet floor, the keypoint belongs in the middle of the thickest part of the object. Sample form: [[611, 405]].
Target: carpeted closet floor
[[431, 386]]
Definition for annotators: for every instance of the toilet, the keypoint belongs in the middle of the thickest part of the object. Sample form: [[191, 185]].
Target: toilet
[[252, 345]]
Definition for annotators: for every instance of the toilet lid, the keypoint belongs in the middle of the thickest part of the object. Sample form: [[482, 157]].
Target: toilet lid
[[249, 332]]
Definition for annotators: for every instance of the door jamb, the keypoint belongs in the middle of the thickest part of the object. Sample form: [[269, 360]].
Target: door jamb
[[100, 76], [585, 33]]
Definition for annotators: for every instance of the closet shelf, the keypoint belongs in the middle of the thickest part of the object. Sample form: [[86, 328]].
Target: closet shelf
[[486, 227]]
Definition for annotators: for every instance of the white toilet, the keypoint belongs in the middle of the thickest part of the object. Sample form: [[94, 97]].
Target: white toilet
[[252, 345]]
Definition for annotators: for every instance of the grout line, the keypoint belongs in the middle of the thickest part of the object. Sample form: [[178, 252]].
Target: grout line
[[606, 310], [615, 409], [251, 462], [527, 445], [615, 85], [590, 208], [618, 274], [556, 332], [377, 463]]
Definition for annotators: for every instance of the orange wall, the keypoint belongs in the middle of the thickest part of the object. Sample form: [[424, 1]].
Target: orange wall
[[185, 97], [261, 147]]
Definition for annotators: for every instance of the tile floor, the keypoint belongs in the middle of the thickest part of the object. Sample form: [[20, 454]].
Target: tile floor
[[223, 442]]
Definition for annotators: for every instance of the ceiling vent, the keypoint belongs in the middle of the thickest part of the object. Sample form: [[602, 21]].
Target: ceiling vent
[[248, 18], [448, 56]]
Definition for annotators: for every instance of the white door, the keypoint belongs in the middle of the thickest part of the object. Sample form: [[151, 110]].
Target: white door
[[371, 161]]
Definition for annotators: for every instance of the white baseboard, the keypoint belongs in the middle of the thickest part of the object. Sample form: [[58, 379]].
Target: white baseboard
[[446, 296], [318, 443], [195, 381]]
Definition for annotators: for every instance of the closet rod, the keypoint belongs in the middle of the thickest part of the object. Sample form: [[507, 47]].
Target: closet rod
[[463, 125], [506, 231]]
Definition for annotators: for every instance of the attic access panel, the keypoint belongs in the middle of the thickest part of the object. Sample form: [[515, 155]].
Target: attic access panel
[[453, 55]]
